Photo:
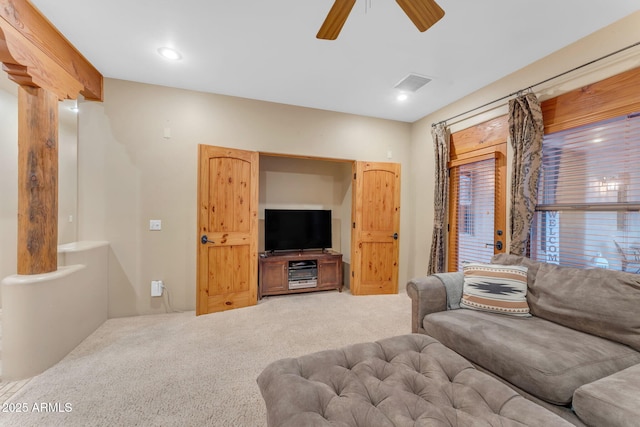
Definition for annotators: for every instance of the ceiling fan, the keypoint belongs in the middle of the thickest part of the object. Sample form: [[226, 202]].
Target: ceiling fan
[[423, 13]]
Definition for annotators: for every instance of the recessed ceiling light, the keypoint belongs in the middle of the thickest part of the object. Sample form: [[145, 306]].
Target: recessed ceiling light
[[402, 97], [168, 53]]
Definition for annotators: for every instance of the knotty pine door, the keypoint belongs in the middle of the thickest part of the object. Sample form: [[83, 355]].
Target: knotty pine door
[[227, 255], [375, 230]]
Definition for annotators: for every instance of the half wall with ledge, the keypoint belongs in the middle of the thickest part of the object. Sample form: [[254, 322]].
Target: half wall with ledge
[[45, 316]]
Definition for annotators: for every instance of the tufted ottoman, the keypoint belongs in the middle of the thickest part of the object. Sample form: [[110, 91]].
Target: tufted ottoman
[[408, 380]]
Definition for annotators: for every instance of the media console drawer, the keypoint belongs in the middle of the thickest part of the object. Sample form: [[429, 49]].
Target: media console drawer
[[295, 272]]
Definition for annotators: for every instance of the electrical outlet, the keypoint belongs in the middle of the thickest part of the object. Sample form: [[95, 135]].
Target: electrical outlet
[[155, 225], [156, 288]]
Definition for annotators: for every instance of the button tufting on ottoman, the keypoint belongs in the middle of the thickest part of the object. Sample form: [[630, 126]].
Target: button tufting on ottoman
[[409, 380]]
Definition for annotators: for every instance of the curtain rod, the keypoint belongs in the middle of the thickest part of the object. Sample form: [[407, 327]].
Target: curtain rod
[[537, 84]]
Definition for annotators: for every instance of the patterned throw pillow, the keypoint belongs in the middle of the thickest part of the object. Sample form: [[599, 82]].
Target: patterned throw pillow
[[495, 288]]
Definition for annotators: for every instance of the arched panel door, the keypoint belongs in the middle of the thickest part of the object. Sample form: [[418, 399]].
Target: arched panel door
[[227, 229], [376, 228]]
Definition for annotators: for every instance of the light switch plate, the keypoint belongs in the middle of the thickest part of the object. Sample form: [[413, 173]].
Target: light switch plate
[[155, 225]]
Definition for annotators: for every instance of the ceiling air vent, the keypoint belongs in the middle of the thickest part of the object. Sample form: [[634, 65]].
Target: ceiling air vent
[[412, 83]]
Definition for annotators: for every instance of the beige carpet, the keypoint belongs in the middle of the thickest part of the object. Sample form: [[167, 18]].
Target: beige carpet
[[183, 370]]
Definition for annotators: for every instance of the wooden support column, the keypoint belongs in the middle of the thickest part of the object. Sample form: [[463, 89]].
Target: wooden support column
[[37, 180]]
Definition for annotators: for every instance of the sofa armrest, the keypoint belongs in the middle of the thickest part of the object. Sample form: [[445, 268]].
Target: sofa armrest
[[428, 295]]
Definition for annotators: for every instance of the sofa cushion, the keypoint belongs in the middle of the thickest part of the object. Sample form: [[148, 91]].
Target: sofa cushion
[[545, 359], [597, 301], [495, 288], [611, 401]]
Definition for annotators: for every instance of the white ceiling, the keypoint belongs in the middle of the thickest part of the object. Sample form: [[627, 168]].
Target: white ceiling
[[267, 50]]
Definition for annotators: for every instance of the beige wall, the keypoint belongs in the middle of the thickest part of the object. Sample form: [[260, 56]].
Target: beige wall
[[129, 173], [67, 173], [617, 36], [8, 176]]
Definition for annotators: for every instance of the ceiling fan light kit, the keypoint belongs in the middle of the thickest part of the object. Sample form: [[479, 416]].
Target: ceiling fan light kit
[[423, 14]]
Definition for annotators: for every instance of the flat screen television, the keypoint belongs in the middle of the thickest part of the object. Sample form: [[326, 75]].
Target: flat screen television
[[297, 229]]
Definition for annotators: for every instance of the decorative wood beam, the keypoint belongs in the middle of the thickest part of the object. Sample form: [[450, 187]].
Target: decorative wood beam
[[41, 72], [51, 62]]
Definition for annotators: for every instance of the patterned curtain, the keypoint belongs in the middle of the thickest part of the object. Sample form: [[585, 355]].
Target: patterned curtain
[[440, 134], [526, 131]]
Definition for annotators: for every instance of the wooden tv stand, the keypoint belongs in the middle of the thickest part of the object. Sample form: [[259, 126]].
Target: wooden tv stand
[[299, 271]]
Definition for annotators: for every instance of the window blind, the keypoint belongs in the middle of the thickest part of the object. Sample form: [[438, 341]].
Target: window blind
[[589, 196], [474, 192]]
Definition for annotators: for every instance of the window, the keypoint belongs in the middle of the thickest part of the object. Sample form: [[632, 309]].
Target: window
[[477, 207], [588, 212], [475, 195], [465, 203]]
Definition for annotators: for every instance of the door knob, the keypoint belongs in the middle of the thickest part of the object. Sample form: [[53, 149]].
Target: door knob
[[498, 245], [204, 240], [395, 236]]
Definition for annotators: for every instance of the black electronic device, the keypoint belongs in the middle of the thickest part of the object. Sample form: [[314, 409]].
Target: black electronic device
[[303, 274], [297, 229]]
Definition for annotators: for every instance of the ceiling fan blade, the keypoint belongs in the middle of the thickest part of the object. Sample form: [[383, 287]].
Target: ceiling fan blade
[[335, 19], [423, 13]]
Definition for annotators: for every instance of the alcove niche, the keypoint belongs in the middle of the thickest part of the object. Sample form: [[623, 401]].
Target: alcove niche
[[304, 183]]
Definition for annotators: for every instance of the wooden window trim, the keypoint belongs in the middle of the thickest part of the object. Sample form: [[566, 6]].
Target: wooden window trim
[[481, 136], [606, 99], [471, 159]]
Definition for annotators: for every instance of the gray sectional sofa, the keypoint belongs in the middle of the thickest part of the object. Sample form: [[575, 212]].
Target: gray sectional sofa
[[578, 354]]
